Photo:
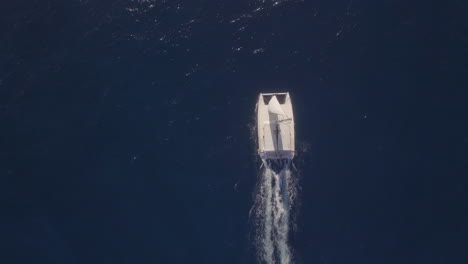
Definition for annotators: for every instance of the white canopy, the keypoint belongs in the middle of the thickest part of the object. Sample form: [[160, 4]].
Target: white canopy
[[274, 107]]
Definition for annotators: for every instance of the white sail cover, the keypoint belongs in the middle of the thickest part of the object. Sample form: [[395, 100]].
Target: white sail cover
[[274, 107]]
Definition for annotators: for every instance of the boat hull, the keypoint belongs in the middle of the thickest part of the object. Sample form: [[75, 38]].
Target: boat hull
[[275, 127]]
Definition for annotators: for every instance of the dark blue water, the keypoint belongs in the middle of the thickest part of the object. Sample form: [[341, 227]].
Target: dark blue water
[[126, 129]]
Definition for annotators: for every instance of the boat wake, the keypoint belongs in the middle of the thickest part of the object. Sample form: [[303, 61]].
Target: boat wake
[[276, 193]]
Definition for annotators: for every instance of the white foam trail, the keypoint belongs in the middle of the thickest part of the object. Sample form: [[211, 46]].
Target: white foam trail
[[268, 225], [282, 217], [273, 214]]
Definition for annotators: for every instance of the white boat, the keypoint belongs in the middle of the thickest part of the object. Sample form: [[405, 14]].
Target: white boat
[[275, 126]]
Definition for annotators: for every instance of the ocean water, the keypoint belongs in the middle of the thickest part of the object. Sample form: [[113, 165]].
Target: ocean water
[[126, 129]]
